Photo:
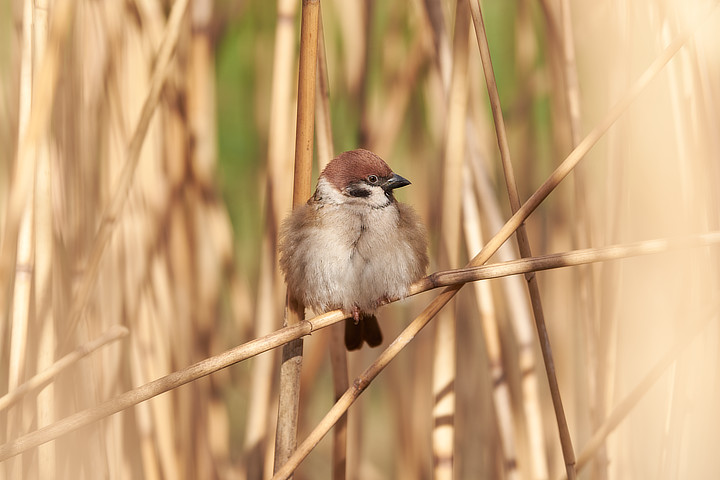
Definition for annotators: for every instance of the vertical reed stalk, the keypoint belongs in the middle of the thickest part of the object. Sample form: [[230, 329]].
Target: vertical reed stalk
[[513, 288], [366, 133], [586, 307], [616, 196], [440, 39], [286, 433], [338, 353], [46, 462], [486, 307], [444, 366], [259, 408], [489, 249], [37, 123], [513, 223], [25, 255], [521, 317], [398, 99], [338, 360], [325, 144], [25, 263], [278, 201], [523, 243]]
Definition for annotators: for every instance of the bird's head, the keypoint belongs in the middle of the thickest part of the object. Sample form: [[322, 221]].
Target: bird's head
[[359, 177]]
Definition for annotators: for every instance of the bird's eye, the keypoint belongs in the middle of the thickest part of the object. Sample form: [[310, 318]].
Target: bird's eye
[[372, 179]]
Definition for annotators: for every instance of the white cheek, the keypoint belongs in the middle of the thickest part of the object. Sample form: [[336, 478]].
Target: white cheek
[[329, 193], [378, 198]]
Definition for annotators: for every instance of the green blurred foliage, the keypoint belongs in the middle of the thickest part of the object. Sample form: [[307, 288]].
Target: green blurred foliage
[[243, 64]]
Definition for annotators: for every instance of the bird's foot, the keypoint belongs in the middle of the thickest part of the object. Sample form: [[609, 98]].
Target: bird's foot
[[356, 314], [384, 300]]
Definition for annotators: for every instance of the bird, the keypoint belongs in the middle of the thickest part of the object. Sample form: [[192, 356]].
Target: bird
[[353, 246]]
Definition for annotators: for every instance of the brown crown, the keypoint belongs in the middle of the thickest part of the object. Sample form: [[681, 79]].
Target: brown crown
[[353, 166]]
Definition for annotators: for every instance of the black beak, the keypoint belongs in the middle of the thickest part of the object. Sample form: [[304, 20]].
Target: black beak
[[396, 181]]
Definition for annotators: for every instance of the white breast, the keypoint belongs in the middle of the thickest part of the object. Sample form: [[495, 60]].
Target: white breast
[[355, 258]]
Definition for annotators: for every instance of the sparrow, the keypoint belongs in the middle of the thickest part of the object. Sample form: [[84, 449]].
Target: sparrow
[[352, 246]]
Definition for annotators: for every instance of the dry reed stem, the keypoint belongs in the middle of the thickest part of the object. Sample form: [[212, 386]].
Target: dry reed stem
[[169, 382], [24, 257], [433, 9], [149, 357], [203, 368], [131, 158], [444, 357], [286, 432], [523, 242], [159, 288], [201, 95], [37, 122], [365, 128], [452, 279], [306, 101], [617, 186], [46, 399], [394, 111], [596, 336], [570, 76], [325, 147], [278, 201], [26, 69], [24, 262], [280, 153], [338, 352], [259, 403], [560, 260], [338, 361], [589, 140], [46, 376], [488, 318], [521, 318], [364, 380], [689, 149], [513, 289], [146, 423], [586, 303], [495, 242], [20, 319]]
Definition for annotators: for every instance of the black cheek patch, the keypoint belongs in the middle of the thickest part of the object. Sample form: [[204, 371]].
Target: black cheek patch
[[358, 191]]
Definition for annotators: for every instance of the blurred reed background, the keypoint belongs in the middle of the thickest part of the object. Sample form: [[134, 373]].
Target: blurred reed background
[[147, 160]]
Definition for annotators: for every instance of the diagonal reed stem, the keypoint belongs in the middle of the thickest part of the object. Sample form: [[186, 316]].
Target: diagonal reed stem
[[490, 248], [46, 376], [522, 238], [452, 279], [263, 344], [289, 333]]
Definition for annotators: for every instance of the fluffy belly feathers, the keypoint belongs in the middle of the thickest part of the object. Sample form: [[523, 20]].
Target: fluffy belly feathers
[[349, 264]]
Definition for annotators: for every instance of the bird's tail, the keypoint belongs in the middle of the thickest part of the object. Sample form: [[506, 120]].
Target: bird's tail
[[367, 329]]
